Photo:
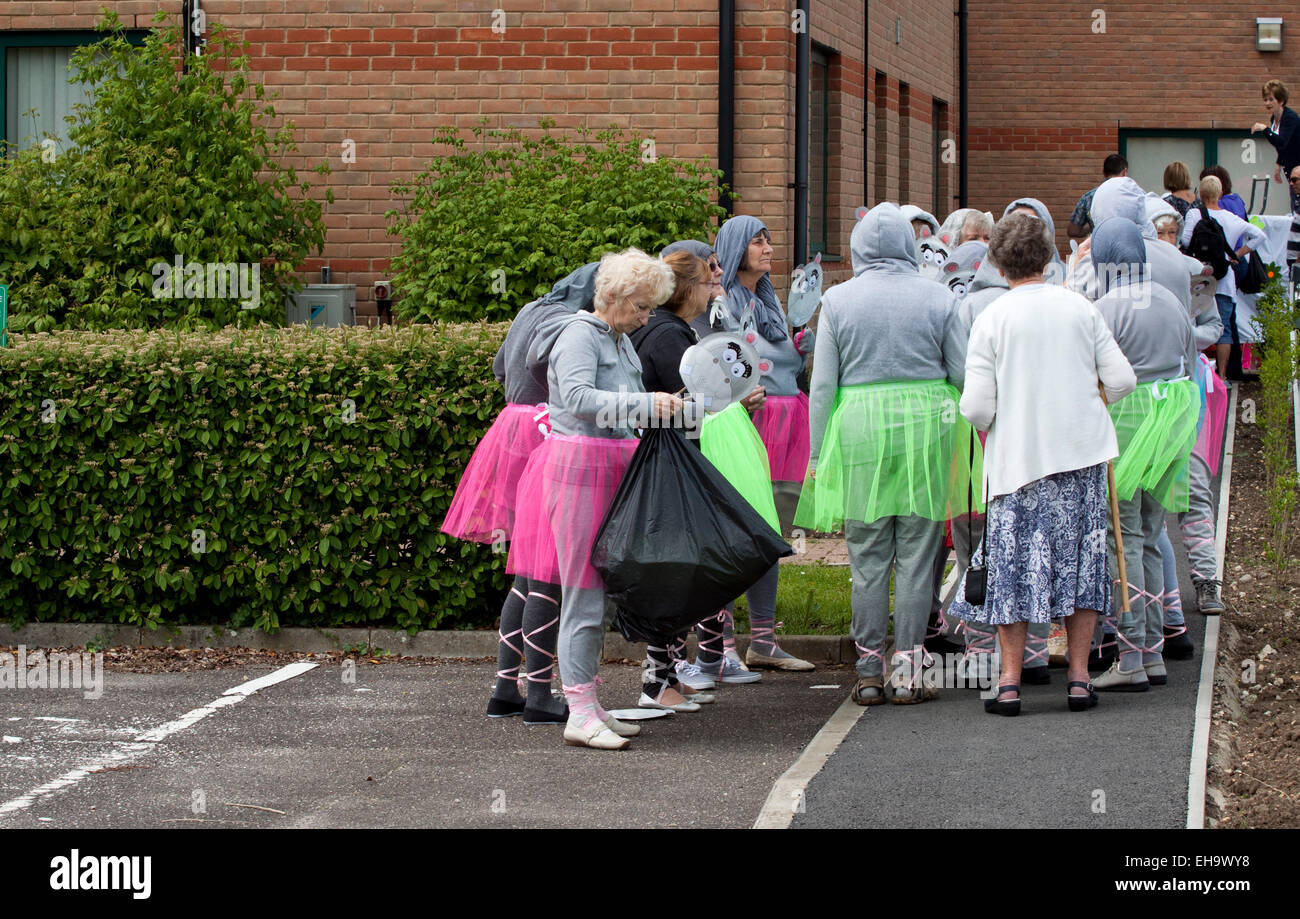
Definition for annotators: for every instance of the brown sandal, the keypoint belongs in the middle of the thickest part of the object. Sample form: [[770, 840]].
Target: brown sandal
[[865, 683]]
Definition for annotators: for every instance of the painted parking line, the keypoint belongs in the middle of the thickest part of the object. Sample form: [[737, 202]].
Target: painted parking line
[[145, 742], [786, 797]]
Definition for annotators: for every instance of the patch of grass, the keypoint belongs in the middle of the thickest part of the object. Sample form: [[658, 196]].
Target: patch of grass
[[812, 600]]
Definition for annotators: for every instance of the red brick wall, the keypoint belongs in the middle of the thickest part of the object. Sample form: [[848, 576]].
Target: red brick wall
[[1048, 94], [344, 70]]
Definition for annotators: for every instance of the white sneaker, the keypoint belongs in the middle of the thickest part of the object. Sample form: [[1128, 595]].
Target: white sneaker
[[647, 702], [693, 677], [595, 735], [729, 670]]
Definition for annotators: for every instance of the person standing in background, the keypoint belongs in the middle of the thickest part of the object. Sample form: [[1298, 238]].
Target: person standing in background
[[1178, 182], [1081, 220], [1282, 131]]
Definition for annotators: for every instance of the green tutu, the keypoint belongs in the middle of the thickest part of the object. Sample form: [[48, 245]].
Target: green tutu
[[1156, 429], [893, 450], [731, 443]]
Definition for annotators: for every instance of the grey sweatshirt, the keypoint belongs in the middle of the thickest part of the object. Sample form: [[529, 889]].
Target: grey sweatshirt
[[1150, 326], [987, 286], [594, 378], [525, 382], [887, 324]]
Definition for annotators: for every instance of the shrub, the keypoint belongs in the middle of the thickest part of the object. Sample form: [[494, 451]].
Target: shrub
[[490, 227], [160, 164], [264, 477], [1276, 318]]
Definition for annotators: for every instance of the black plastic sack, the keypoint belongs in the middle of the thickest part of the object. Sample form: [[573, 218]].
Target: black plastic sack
[[679, 542]]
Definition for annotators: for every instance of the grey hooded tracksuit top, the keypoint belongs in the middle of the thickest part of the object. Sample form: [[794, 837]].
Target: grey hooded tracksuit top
[[774, 341], [1149, 324], [594, 378], [525, 382], [1122, 197], [887, 324]]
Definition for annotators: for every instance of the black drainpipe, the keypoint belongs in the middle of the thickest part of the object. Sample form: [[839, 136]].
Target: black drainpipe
[[802, 115], [726, 96], [963, 157], [866, 108]]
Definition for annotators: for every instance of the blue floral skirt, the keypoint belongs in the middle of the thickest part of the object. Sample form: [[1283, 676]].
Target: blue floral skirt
[[1046, 551]]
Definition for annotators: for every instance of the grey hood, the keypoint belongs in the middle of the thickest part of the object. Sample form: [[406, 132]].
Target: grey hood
[[576, 290], [1119, 255], [1122, 197], [912, 212], [986, 276], [1056, 270], [883, 241]]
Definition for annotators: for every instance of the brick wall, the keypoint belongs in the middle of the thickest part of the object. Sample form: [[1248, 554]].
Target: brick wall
[[384, 74], [1048, 93]]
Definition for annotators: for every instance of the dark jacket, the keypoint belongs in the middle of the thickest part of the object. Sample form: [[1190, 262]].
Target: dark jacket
[[1287, 141], [660, 344]]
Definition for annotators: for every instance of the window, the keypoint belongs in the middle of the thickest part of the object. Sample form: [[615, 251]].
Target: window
[[36, 88], [943, 203], [905, 144], [820, 203], [1249, 159]]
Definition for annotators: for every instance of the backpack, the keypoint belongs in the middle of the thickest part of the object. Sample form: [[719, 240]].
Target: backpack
[[1209, 244]]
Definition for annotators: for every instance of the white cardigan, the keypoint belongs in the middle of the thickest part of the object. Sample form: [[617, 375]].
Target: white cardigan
[[1035, 356]]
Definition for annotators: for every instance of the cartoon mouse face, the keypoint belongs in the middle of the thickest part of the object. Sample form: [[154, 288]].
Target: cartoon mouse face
[[723, 368], [933, 253], [958, 278]]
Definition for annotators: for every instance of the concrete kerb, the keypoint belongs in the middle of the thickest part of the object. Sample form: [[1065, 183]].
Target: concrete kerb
[[446, 644]]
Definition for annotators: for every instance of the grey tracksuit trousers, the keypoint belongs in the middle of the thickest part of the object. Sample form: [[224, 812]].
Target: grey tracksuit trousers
[[1141, 519], [907, 546], [1197, 521]]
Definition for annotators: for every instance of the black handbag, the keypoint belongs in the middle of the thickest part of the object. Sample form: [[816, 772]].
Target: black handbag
[[976, 575]]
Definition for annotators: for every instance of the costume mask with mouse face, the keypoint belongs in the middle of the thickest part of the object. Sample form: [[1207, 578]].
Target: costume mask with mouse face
[[722, 368], [959, 277], [933, 252], [805, 292]]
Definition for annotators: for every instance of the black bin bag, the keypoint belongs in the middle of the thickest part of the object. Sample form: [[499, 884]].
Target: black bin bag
[[678, 542]]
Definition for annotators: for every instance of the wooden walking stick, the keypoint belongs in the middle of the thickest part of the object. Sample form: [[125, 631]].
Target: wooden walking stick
[[1114, 516]]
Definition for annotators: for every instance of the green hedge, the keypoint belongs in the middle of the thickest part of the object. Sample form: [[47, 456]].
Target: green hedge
[[118, 446]]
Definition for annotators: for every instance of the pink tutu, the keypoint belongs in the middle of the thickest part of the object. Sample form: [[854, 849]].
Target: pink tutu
[[1209, 443], [782, 422], [564, 493], [483, 509]]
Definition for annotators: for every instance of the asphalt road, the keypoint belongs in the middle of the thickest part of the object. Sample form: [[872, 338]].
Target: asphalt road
[[406, 745]]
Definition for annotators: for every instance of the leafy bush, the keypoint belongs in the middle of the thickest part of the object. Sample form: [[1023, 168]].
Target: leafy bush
[[1276, 317], [264, 477], [160, 164], [490, 227]]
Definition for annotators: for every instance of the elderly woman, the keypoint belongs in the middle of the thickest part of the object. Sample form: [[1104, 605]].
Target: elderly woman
[[744, 249], [660, 345], [1032, 365], [597, 403], [964, 225], [884, 428], [483, 508]]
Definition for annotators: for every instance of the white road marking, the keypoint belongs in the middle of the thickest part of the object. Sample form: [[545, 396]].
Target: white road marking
[[787, 794], [52, 718], [145, 742], [826, 686], [9, 739], [1210, 652]]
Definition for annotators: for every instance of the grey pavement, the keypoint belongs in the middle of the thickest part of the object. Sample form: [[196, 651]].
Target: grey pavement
[[406, 745], [946, 763]]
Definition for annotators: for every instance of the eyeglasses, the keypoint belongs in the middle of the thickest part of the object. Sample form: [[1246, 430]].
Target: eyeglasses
[[1295, 178]]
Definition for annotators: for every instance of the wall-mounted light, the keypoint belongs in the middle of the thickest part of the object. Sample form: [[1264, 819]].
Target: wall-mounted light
[[1268, 33]]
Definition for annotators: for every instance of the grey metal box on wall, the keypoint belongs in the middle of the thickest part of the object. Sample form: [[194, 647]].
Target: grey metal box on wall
[[324, 305]]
